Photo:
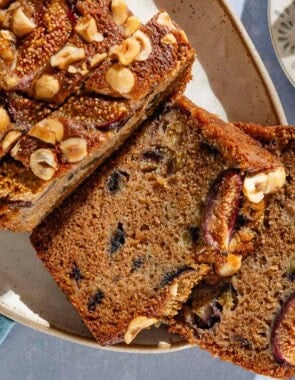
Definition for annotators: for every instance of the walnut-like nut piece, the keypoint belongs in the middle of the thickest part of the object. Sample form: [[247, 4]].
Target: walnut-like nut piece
[[132, 25], [74, 149], [46, 87], [67, 55], [9, 140], [121, 79], [169, 39], [49, 130], [87, 29], [127, 51], [146, 45], [119, 11], [4, 119], [43, 163], [97, 59], [256, 186], [233, 265], [21, 23], [165, 20], [136, 326], [7, 35]]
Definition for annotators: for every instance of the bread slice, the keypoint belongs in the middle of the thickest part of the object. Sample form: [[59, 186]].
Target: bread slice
[[44, 161], [249, 319], [123, 246]]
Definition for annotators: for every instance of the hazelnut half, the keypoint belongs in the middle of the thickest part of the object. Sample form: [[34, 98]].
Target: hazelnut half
[[7, 35], [165, 20], [127, 51], [74, 149], [66, 56], [233, 265], [146, 45], [97, 59], [4, 119], [21, 23], [136, 326], [49, 130], [119, 11], [43, 164], [120, 78], [46, 87], [131, 26], [87, 29], [169, 39], [256, 186], [9, 140]]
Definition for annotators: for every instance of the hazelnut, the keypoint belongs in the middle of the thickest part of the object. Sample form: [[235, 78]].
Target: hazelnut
[[97, 59], [119, 11], [9, 140], [127, 51], [174, 290], [131, 26], [74, 149], [233, 265], [136, 326], [21, 23], [146, 45], [169, 39], [256, 186], [7, 35], [66, 56], [120, 78], [72, 69], [43, 164], [4, 119], [86, 28], [6, 51], [49, 130], [46, 87], [165, 20]]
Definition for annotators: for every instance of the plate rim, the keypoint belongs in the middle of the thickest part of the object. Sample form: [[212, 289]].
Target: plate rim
[[142, 349], [269, 9]]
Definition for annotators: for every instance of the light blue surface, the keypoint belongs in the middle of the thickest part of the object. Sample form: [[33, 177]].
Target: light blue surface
[[5, 327], [30, 355]]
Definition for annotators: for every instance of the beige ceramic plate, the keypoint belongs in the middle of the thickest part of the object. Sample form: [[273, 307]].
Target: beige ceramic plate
[[229, 79]]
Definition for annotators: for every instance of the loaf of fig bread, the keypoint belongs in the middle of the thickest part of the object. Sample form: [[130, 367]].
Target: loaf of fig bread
[[123, 246], [68, 102], [249, 319]]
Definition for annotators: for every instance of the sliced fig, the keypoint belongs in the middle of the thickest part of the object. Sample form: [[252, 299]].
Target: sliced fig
[[283, 334], [221, 209]]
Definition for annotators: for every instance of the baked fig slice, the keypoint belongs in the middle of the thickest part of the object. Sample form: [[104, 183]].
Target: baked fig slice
[[283, 334], [221, 209]]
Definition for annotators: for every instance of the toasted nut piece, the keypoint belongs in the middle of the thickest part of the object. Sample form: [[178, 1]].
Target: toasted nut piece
[[21, 23], [14, 151], [6, 50], [4, 119], [132, 25], [136, 326], [146, 45], [184, 37], [8, 35], [127, 51], [74, 149], [87, 29], [174, 290], [49, 130], [233, 265], [66, 56], [164, 345], [43, 164], [120, 78], [9, 140], [119, 11], [46, 87], [11, 81], [97, 59], [165, 20], [72, 69], [256, 186], [169, 39]]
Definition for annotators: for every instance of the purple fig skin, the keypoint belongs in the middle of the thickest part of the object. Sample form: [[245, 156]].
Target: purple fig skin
[[287, 311], [221, 209], [112, 123]]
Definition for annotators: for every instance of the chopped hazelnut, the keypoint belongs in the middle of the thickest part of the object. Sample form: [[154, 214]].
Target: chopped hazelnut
[[119, 11], [97, 59], [43, 164], [7, 35], [49, 130], [127, 51], [21, 23], [131, 26], [4, 119], [74, 149], [121, 79], [9, 140], [165, 20], [146, 45], [66, 56], [87, 29], [169, 39], [233, 265], [136, 326], [46, 87]]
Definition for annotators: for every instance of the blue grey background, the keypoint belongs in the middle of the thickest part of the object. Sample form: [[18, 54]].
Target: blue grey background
[[29, 355]]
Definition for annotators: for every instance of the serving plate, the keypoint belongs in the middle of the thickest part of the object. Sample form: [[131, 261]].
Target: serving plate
[[230, 80], [281, 20]]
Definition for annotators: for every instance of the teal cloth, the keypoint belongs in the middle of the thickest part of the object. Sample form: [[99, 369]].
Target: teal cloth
[[5, 327]]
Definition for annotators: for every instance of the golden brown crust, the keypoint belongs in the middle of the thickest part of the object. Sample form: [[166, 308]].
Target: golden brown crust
[[268, 134]]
